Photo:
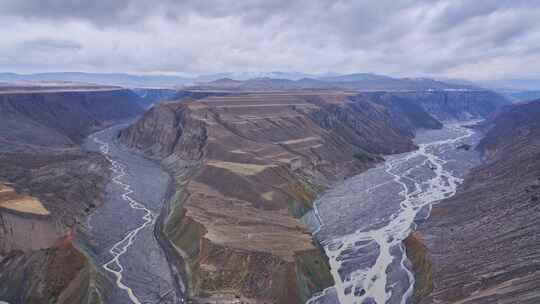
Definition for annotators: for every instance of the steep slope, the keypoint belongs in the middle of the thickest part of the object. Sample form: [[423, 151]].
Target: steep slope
[[62, 118], [482, 244], [48, 186], [449, 104], [408, 113], [246, 166], [47, 196], [150, 96]]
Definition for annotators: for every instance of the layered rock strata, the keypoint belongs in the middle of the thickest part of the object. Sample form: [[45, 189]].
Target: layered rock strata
[[246, 168]]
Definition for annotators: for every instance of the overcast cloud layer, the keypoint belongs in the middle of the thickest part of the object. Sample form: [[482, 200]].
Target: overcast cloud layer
[[475, 39]]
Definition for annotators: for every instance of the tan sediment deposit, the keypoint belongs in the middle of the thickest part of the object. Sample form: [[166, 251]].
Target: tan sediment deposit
[[11, 200]]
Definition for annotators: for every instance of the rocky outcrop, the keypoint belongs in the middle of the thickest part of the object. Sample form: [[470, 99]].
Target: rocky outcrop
[[24, 222], [483, 242], [58, 274], [40, 260], [246, 167], [70, 185]]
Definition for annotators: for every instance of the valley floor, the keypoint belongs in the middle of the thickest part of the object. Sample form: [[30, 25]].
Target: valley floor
[[123, 228], [362, 222]]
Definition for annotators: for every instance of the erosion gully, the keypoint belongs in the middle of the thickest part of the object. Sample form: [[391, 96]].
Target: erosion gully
[[362, 222], [122, 229]]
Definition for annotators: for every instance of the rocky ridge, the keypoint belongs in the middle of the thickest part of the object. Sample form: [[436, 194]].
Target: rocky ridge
[[482, 244]]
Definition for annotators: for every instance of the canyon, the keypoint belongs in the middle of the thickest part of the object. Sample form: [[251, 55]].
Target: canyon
[[482, 244], [49, 185], [229, 190], [269, 152], [248, 165]]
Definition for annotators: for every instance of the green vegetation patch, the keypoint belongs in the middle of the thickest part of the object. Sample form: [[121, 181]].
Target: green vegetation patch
[[301, 202], [422, 268], [313, 273], [366, 157]]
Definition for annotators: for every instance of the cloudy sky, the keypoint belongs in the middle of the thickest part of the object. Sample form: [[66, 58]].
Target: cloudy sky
[[475, 39]]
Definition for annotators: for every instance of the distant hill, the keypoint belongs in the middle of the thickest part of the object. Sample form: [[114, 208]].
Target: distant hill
[[521, 96], [362, 82], [61, 118], [99, 78], [513, 84], [490, 227], [356, 77], [250, 75], [246, 81], [516, 90]]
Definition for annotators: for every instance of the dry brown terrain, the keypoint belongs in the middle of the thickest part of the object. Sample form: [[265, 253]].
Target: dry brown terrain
[[247, 166], [483, 243], [48, 186]]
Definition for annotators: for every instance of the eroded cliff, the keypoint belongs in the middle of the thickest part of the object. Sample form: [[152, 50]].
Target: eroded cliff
[[246, 167], [443, 104], [47, 196], [48, 188], [483, 242]]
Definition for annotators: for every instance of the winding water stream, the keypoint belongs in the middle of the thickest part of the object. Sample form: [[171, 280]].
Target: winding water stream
[[123, 228], [362, 222]]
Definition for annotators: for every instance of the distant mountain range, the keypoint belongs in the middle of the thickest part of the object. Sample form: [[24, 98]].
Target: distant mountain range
[[98, 78], [365, 82], [501, 85], [271, 80], [529, 84], [250, 75], [130, 80]]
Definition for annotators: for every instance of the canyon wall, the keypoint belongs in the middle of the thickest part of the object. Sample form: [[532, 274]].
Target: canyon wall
[[61, 118], [40, 256], [444, 105], [482, 244], [48, 187]]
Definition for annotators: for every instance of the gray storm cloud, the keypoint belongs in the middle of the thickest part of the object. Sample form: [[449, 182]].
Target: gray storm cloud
[[480, 39]]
